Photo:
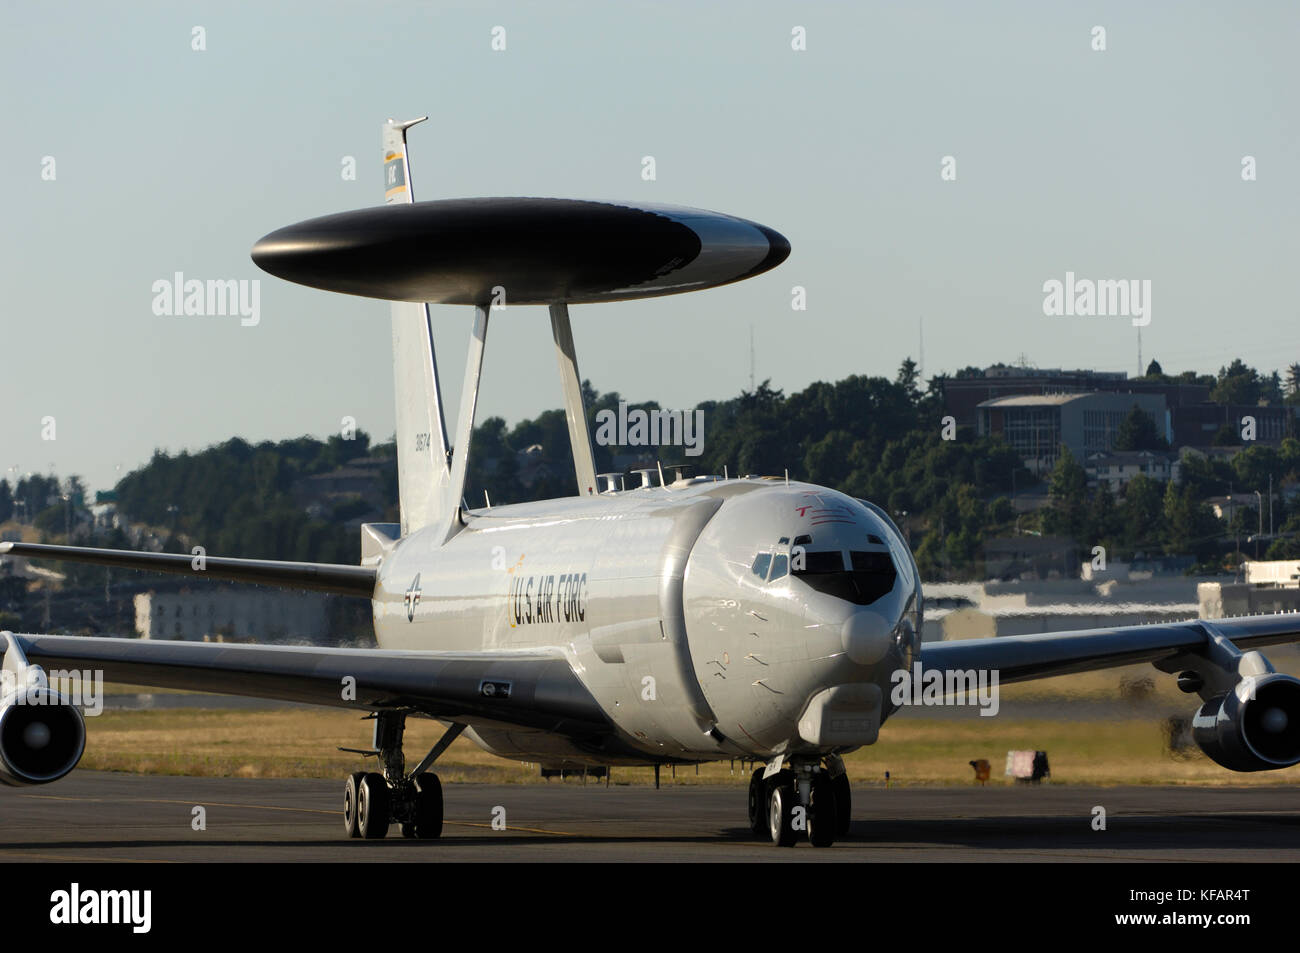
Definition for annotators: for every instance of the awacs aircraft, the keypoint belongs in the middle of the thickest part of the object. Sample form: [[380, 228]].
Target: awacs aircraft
[[695, 620]]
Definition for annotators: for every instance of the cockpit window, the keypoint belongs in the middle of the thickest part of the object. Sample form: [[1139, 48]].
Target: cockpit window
[[871, 577], [780, 565], [826, 561], [761, 562], [874, 575]]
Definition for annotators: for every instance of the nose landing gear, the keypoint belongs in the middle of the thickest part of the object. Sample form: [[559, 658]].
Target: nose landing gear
[[804, 798]]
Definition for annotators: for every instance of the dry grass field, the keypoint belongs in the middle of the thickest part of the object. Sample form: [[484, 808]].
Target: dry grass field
[[914, 750]]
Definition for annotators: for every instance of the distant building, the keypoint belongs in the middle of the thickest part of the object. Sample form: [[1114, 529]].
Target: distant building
[[1192, 419], [361, 480], [963, 395], [1274, 572], [531, 465], [1270, 586], [1117, 468], [103, 512], [219, 614], [1040, 557], [1037, 425], [1197, 425], [1224, 507]]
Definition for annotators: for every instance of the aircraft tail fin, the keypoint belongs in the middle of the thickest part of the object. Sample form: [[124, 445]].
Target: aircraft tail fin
[[423, 458]]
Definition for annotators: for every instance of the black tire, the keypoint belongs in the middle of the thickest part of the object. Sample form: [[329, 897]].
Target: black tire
[[780, 813], [375, 802], [428, 807], [822, 815], [758, 803], [351, 805], [843, 805]]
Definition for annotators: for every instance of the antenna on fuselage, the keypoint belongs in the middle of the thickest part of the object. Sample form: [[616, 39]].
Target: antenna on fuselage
[[661, 472]]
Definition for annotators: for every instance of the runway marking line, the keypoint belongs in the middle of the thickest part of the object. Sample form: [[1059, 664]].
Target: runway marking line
[[271, 807], [84, 860]]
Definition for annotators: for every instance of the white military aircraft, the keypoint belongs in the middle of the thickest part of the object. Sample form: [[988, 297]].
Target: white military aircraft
[[695, 620]]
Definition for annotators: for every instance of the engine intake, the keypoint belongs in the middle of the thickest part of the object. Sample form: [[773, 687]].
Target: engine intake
[[42, 737], [1257, 730]]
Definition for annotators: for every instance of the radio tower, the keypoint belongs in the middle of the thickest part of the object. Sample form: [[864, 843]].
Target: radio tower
[[751, 358], [920, 359]]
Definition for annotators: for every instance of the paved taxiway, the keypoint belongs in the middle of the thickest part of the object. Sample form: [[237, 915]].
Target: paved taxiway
[[92, 816]]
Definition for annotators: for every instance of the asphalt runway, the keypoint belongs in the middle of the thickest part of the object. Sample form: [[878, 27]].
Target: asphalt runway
[[93, 816]]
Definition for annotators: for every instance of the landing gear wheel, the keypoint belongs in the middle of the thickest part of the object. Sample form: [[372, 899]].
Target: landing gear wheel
[[408, 829], [822, 814], [351, 799], [843, 804], [428, 807], [375, 802], [757, 802], [780, 814]]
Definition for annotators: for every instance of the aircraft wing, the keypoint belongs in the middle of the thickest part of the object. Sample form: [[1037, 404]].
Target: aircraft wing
[[1019, 658], [324, 577], [531, 688]]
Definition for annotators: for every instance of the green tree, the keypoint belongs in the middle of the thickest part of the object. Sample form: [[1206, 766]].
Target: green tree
[[1103, 521], [1190, 526], [1067, 497], [908, 379], [1137, 431], [1293, 384], [1237, 384], [1142, 517], [1226, 436]]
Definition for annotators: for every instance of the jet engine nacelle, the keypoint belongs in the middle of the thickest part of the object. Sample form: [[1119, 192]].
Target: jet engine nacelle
[[1255, 727], [42, 734]]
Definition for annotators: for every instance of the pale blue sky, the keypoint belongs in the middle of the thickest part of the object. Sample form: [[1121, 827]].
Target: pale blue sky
[[1122, 164]]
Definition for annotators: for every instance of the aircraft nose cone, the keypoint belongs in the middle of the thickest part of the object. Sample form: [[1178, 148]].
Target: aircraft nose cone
[[866, 636]]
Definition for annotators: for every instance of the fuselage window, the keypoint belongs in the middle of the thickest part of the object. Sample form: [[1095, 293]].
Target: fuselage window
[[761, 563]]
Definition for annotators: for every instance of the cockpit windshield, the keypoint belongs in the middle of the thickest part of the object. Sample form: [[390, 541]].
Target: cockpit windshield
[[867, 577]]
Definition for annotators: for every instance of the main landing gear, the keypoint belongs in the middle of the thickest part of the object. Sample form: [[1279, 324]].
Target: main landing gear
[[790, 798], [372, 801]]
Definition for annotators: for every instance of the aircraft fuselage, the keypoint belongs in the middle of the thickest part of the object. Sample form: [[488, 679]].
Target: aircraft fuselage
[[705, 617]]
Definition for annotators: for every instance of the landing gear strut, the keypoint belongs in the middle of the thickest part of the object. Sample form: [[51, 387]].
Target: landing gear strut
[[803, 798], [373, 801]]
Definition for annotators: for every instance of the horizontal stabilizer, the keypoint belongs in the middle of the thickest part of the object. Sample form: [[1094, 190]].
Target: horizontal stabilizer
[[323, 577]]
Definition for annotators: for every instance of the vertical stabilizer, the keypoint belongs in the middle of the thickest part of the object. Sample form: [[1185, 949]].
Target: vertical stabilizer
[[423, 468]]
